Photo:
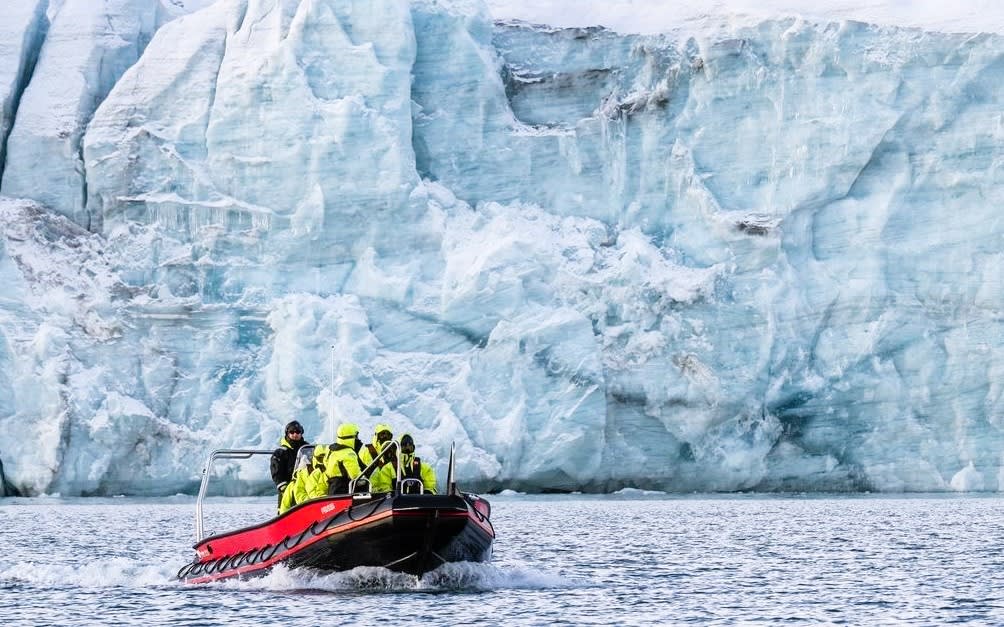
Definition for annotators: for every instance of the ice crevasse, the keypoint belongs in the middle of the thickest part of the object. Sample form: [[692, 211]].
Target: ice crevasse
[[760, 255]]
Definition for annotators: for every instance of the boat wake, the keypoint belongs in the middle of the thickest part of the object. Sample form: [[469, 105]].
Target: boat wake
[[107, 573], [452, 577], [127, 573]]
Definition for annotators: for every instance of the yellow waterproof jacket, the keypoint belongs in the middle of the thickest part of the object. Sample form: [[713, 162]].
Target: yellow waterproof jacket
[[316, 484], [369, 451], [305, 483], [383, 478], [412, 467], [341, 456], [289, 492]]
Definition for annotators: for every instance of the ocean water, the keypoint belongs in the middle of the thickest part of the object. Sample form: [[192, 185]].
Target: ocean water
[[627, 559]]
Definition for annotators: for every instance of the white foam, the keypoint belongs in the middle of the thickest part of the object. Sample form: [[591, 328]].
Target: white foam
[[455, 576], [122, 572], [103, 573]]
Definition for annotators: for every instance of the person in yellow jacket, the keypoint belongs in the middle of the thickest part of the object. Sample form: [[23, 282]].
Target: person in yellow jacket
[[315, 484], [412, 467], [342, 463], [304, 484], [381, 436]]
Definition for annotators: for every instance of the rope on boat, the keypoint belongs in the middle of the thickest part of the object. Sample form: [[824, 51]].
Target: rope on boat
[[230, 562], [298, 539], [375, 504]]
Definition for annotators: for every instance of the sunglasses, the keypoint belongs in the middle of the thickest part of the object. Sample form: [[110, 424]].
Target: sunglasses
[[294, 433]]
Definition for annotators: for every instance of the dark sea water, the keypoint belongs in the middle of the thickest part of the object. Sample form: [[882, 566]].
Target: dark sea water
[[633, 559]]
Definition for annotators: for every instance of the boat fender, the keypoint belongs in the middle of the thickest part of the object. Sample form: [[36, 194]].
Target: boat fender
[[224, 564], [299, 538], [353, 517], [331, 522], [238, 560], [252, 557], [275, 549], [245, 558], [260, 556], [231, 562], [314, 530]]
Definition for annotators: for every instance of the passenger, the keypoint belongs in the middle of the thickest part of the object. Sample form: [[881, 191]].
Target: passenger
[[383, 477], [315, 481], [381, 436], [342, 462], [302, 487], [412, 467], [284, 457]]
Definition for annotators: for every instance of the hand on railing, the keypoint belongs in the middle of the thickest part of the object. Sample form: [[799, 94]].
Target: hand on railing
[[389, 448]]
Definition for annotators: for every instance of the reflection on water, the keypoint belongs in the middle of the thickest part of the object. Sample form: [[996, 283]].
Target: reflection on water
[[633, 558]]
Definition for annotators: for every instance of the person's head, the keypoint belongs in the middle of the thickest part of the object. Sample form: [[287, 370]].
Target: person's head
[[407, 444], [347, 434], [382, 435], [294, 431]]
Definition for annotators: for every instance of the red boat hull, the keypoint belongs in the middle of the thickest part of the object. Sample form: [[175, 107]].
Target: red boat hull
[[406, 533]]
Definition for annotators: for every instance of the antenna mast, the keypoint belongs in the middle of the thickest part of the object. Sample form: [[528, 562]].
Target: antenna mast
[[331, 398]]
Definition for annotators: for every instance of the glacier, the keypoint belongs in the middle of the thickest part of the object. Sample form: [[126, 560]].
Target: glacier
[[761, 254]]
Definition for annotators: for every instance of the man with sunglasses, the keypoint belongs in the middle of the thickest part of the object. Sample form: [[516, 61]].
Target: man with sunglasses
[[284, 457]]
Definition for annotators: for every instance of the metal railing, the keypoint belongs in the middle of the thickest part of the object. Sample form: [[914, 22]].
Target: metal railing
[[207, 470], [375, 464], [399, 483], [451, 482]]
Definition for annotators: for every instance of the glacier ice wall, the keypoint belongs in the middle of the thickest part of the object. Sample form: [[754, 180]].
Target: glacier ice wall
[[219, 137], [760, 257], [86, 49], [21, 33]]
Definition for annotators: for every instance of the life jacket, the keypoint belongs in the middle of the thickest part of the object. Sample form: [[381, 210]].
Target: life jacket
[[411, 469], [342, 466]]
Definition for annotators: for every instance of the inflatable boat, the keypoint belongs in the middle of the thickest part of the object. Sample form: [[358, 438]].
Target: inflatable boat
[[411, 533]]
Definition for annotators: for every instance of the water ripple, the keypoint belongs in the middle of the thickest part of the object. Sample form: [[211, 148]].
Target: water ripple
[[628, 559]]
